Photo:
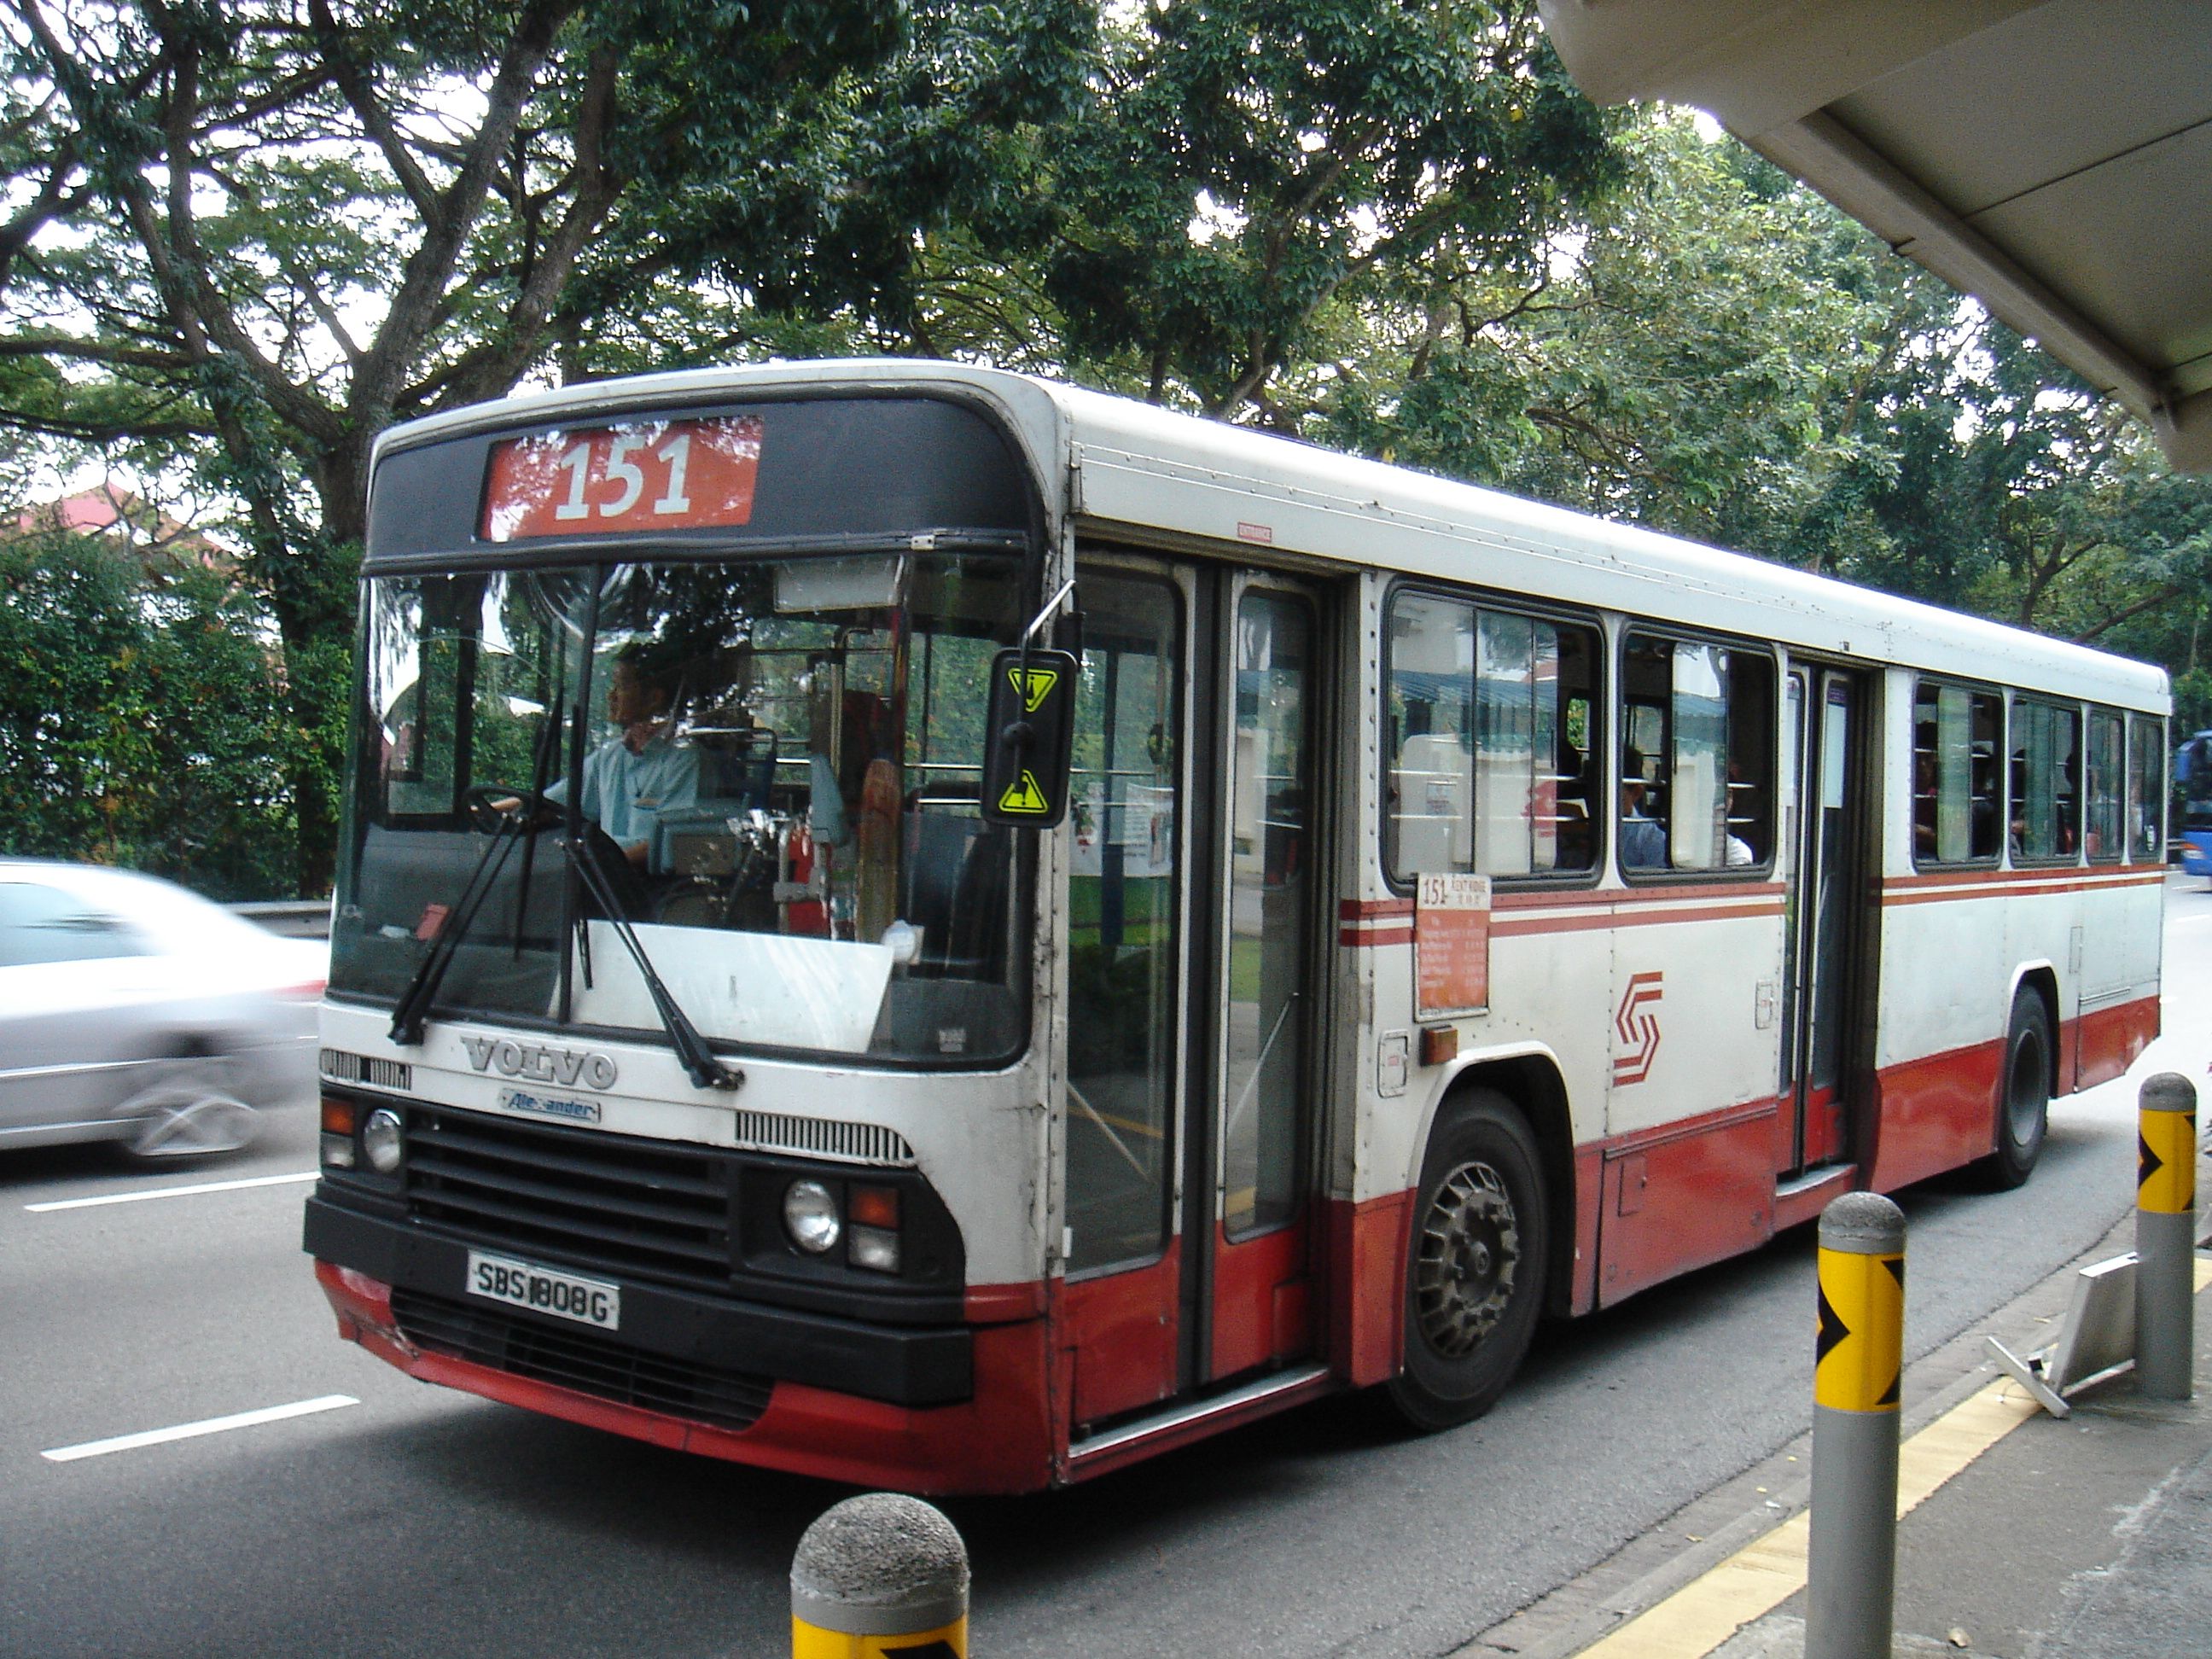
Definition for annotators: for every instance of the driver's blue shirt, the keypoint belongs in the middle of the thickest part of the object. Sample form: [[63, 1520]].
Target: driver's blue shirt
[[625, 792]]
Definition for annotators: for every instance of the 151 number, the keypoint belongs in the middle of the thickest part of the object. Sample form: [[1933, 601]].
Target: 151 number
[[675, 453]]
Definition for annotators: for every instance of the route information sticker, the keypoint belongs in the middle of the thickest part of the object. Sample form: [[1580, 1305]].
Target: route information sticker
[[1451, 946]]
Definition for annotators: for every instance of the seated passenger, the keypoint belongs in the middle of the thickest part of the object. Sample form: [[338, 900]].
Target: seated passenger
[[1643, 840]]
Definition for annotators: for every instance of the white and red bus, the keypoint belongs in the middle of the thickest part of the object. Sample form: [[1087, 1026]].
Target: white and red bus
[[1465, 911]]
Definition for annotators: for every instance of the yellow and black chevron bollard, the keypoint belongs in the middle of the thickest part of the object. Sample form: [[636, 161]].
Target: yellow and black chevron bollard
[[1858, 1367], [878, 1575], [2165, 1247]]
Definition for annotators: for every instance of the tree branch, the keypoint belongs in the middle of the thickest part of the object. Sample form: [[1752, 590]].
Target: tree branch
[[361, 98], [596, 187], [2171, 590], [90, 352], [399, 342]]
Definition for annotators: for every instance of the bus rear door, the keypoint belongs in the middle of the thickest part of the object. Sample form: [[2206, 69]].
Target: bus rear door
[[1829, 926]]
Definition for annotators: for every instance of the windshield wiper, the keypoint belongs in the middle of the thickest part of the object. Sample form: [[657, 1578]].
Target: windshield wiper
[[548, 740], [414, 1004], [705, 1072]]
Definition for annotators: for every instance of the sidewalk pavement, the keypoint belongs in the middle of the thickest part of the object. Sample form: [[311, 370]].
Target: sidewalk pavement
[[2089, 1538]]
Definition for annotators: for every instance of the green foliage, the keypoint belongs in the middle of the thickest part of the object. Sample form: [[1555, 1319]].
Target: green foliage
[[142, 718], [1249, 175], [244, 239], [1719, 354]]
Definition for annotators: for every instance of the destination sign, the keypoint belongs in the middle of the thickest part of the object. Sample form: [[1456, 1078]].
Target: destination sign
[[639, 475]]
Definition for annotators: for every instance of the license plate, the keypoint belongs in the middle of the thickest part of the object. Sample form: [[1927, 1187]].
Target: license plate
[[586, 1300]]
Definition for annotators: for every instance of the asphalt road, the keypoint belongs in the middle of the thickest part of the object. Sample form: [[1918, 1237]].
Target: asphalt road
[[420, 1521]]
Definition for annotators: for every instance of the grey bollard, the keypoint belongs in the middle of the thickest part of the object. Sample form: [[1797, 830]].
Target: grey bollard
[[2166, 1248], [880, 1574], [1850, 1584]]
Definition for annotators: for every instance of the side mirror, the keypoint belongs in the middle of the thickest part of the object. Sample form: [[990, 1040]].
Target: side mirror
[[1029, 727]]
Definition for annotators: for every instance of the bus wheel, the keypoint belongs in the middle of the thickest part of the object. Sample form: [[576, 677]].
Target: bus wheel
[[1474, 1269], [2023, 1093]]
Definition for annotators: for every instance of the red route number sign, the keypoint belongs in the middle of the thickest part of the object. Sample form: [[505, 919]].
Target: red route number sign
[[1451, 946], [641, 475]]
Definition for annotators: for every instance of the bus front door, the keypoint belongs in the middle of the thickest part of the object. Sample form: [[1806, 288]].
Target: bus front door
[[1251, 1307], [1190, 962]]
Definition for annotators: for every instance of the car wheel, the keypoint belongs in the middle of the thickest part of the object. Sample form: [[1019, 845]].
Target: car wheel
[[2023, 1093], [1475, 1263], [189, 1111]]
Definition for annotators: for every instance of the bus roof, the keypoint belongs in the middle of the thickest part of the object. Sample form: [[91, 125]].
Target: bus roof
[[1164, 476]]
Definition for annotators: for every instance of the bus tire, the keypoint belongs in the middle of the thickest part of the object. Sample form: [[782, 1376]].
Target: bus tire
[[2023, 1093], [1474, 1263]]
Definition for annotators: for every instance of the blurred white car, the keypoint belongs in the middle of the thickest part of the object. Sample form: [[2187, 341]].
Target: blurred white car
[[132, 1010]]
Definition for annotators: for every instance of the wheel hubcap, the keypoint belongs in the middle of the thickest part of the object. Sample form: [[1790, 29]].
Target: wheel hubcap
[[188, 1113], [1470, 1253]]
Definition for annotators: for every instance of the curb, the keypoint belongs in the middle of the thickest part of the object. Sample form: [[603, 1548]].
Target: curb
[[1715, 1527]]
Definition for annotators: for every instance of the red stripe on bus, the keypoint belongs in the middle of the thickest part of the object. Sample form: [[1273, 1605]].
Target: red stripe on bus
[[2107, 1040], [1544, 899], [1519, 926], [1374, 936], [998, 1304], [2094, 875], [2043, 888], [1361, 909]]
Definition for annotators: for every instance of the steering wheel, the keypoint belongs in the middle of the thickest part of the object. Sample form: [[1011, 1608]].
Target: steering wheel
[[492, 805]]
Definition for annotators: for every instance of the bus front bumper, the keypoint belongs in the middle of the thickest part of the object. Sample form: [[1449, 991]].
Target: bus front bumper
[[670, 1344]]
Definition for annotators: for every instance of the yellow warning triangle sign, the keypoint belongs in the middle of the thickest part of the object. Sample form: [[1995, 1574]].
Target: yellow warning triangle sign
[[1041, 681], [1025, 796]]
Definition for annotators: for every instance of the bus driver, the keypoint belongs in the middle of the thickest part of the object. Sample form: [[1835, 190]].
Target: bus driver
[[641, 771]]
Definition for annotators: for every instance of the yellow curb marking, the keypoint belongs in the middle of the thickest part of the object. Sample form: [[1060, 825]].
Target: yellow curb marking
[[1761, 1576], [1766, 1572]]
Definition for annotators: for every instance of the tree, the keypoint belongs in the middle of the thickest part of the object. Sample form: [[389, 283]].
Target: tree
[[141, 715], [257, 234], [1713, 352], [1251, 174]]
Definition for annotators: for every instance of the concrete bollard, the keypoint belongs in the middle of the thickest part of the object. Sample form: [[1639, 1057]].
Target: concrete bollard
[[880, 1574], [1851, 1585], [2165, 1205]]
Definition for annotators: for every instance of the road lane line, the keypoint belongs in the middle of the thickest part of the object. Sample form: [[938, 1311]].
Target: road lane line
[[171, 1192], [1767, 1571], [188, 1431]]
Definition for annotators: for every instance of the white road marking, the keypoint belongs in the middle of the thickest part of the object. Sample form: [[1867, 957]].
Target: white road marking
[[172, 1192], [187, 1431]]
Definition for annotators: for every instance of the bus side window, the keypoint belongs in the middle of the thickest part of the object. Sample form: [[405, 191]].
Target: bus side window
[[1954, 774], [1491, 719], [2046, 793], [2101, 833], [1697, 788], [2146, 790]]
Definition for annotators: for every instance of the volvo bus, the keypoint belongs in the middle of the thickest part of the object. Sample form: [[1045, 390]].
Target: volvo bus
[[917, 926]]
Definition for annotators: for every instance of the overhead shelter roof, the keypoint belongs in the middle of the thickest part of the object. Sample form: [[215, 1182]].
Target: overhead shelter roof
[[2053, 160]]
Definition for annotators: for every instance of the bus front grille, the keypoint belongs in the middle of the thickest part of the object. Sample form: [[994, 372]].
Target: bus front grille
[[651, 1209], [586, 1361]]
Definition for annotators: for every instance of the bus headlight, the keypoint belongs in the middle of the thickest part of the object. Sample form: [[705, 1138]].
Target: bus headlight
[[383, 1140], [809, 1216]]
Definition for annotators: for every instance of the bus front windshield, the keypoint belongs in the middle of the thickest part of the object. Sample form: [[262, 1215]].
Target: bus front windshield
[[771, 769]]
